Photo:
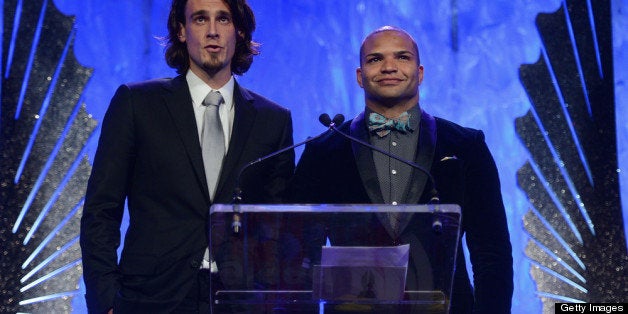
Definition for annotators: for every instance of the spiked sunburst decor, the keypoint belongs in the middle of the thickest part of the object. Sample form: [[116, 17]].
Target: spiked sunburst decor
[[44, 130], [576, 238]]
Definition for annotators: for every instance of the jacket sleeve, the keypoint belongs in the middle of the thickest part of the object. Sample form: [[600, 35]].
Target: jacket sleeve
[[282, 169], [104, 203], [486, 228]]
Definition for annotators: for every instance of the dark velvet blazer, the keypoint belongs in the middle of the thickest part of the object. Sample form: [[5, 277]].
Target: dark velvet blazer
[[333, 170], [149, 155]]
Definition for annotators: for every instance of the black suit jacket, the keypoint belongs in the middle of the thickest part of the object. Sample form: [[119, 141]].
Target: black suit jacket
[[334, 170], [149, 155]]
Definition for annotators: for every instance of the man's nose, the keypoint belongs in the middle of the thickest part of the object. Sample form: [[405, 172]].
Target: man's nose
[[389, 66], [212, 30]]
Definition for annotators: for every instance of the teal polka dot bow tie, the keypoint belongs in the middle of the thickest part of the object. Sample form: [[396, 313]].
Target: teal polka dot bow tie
[[382, 126]]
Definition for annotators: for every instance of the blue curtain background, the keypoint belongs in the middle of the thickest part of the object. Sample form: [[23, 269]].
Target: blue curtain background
[[471, 50]]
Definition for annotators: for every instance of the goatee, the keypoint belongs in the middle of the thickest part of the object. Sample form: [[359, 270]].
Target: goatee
[[213, 66]]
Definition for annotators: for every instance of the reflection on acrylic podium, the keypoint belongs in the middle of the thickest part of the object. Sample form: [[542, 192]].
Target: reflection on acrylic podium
[[333, 258]]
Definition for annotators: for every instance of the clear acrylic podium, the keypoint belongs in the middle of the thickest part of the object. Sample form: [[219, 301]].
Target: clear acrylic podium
[[269, 258]]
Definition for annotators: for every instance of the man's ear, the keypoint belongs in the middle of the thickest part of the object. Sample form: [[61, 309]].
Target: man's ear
[[181, 34], [358, 76]]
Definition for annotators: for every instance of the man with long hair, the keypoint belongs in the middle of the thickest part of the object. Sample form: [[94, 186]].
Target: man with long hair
[[170, 148]]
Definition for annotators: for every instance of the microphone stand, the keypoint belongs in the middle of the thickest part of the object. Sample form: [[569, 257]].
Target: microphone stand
[[437, 224], [237, 193], [434, 199]]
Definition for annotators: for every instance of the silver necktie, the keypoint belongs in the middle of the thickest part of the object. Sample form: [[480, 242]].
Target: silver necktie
[[212, 140]]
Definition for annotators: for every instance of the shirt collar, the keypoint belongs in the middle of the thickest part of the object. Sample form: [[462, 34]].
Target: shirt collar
[[198, 89]]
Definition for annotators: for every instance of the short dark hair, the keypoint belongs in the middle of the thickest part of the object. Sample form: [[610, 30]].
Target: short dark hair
[[395, 29], [177, 56]]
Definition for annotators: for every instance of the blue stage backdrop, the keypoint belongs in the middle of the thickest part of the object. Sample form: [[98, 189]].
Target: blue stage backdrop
[[471, 50]]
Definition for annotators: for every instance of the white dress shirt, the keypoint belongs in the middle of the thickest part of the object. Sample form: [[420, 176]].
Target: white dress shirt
[[198, 90]]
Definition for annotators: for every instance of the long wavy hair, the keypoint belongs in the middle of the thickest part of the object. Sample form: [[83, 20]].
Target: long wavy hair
[[177, 56]]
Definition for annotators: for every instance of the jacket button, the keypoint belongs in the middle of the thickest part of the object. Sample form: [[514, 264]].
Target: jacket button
[[195, 264]]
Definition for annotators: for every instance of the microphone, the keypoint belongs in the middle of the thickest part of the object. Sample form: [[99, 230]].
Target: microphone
[[327, 121], [437, 225], [237, 193]]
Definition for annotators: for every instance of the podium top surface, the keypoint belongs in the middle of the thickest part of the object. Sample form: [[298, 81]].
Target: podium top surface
[[336, 208]]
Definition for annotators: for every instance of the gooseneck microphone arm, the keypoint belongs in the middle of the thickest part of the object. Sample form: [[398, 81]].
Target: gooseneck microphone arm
[[237, 193], [339, 118]]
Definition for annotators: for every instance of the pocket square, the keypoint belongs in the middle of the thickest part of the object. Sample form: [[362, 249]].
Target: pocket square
[[449, 158]]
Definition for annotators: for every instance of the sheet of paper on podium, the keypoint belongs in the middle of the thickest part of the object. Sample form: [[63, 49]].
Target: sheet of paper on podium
[[353, 273]]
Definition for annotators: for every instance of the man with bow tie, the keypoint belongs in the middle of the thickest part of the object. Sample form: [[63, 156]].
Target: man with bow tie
[[334, 170]]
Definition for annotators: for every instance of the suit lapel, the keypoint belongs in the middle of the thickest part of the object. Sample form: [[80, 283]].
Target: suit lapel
[[179, 104], [364, 160], [243, 121], [424, 157]]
